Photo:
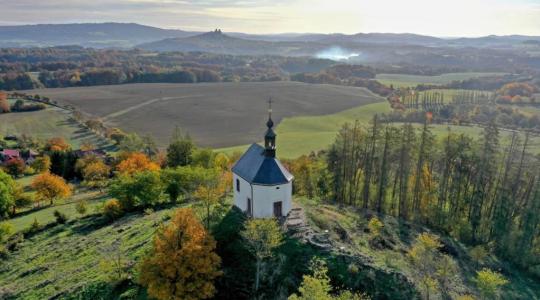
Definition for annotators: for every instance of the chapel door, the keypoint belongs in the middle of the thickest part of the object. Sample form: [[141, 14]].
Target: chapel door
[[277, 209]]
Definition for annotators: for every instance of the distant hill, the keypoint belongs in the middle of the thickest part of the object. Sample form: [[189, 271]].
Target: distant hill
[[218, 42], [97, 35]]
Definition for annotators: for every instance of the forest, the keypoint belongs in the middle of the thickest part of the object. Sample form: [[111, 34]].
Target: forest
[[475, 190]]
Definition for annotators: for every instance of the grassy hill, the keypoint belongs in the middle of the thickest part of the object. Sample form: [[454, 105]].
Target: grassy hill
[[63, 259]]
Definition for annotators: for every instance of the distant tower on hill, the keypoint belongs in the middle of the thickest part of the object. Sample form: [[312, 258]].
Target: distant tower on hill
[[262, 185]]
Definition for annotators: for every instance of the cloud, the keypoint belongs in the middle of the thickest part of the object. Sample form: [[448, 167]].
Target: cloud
[[433, 17]]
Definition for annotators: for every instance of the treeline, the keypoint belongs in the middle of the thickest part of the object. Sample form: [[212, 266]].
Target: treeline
[[75, 66], [18, 106], [477, 190], [350, 75]]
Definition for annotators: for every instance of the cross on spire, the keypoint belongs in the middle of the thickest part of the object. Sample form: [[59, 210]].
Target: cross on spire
[[270, 123]]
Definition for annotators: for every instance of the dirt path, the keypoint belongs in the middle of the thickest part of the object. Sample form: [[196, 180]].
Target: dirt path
[[134, 107]]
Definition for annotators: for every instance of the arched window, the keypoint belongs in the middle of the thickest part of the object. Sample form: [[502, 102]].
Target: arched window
[[238, 185]]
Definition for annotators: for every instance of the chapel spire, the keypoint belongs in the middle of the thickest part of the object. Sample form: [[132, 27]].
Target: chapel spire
[[270, 136]]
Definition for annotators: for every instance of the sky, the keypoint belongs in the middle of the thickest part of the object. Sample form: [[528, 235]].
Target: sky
[[443, 18]]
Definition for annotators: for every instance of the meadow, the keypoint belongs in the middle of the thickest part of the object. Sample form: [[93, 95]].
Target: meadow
[[214, 114], [405, 80]]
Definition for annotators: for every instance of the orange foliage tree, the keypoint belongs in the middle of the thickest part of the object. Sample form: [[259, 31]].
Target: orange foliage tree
[[57, 144], [50, 187], [182, 264], [136, 162], [4, 104]]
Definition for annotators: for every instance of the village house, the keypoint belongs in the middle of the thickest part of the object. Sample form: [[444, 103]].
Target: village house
[[8, 154], [262, 185]]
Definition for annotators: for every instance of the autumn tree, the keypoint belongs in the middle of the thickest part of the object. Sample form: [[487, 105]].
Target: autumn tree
[[15, 167], [50, 187], [136, 162], [183, 263], [57, 144], [209, 192], [42, 164], [261, 236], [489, 282], [7, 193], [96, 174], [433, 269], [4, 104]]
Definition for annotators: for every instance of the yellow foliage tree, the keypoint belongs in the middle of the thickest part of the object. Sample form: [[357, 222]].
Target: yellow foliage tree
[[136, 162], [183, 264], [209, 193], [96, 174], [50, 187], [42, 164]]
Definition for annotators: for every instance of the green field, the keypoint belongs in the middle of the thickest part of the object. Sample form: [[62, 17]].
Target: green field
[[301, 135], [48, 123], [404, 80]]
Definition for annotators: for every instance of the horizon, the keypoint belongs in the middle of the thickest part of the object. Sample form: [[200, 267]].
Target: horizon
[[269, 34], [477, 18]]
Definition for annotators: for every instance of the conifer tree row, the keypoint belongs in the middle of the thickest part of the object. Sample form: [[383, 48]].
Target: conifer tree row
[[479, 190]]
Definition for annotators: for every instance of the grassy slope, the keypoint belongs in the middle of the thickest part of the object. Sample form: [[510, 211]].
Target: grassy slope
[[48, 123], [404, 80], [301, 135], [64, 258], [45, 215], [346, 229]]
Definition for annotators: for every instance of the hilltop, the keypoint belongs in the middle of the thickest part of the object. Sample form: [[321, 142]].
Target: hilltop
[[98, 35]]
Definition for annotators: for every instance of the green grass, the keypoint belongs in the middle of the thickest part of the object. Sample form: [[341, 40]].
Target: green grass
[[404, 80], [45, 215], [48, 123], [65, 258], [301, 135]]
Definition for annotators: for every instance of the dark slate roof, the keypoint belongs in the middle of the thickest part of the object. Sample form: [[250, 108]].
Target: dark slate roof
[[256, 168]]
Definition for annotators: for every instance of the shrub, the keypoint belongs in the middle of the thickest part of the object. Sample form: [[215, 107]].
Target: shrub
[[28, 171], [81, 207], [61, 218], [375, 226], [112, 210], [6, 230], [478, 254], [35, 226]]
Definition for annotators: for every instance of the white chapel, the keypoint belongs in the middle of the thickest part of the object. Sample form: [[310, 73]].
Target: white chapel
[[262, 185]]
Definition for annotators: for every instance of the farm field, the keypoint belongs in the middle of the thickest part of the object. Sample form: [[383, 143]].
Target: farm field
[[304, 134], [404, 80], [48, 123], [215, 115]]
